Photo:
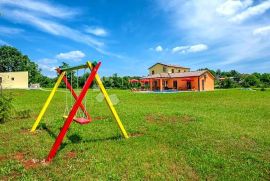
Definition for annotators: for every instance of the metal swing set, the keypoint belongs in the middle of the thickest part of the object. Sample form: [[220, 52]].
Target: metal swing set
[[77, 104]]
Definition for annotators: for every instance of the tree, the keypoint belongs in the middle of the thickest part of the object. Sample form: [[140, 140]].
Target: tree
[[250, 80], [265, 78], [211, 71], [12, 60], [71, 77], [227, 83]]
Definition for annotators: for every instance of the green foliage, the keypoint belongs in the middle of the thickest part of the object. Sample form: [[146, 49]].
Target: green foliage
[[265, 78], [12, 60], [22, 114], [46, 82], [250, 80], [6, 108], [227, 83], [236, 79]]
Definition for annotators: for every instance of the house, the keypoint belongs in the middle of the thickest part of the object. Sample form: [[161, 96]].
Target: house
[[14, 80], [166, 68], [172, 77]]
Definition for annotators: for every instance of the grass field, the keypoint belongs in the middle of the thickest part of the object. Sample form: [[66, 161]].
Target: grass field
[[220, 135]]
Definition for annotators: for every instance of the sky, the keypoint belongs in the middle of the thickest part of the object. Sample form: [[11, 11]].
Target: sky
[[130, 36]]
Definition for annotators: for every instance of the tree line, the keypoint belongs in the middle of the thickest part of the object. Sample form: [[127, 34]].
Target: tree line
[[12, 60], [234, 79]]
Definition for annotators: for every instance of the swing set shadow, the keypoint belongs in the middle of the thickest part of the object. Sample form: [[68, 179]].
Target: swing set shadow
[[76, 138]]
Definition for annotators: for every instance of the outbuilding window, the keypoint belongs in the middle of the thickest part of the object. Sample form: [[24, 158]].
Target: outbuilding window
[[12, 78]]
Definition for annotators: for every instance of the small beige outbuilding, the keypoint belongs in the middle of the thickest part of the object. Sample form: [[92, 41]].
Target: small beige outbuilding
[[14, 80]]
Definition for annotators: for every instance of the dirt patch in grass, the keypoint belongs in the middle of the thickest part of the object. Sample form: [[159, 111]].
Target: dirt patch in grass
[[19, 156], [178, 170], [247, 141], [28, 164], [71, 154], [136, 134], [98, 118], [24, 131], [2, 158], [170, 118], [27, 131], [12, 176]]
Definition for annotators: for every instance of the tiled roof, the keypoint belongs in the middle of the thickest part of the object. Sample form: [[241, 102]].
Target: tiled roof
[[168, 65], [176, 75]]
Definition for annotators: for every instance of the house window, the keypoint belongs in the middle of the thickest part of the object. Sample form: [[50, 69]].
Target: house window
[[153, 72], [172, 70], [179, 70], [164, 69], [12, 78], [165, 83]]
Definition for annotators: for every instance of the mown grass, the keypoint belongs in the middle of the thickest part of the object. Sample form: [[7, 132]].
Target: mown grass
[[220, 135]]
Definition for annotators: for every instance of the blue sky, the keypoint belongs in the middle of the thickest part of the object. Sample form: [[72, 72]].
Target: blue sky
[[129, 36]]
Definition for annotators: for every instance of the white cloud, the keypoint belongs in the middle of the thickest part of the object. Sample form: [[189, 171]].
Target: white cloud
[[190, 49], [45, 67], [41, 16], [72, 55], [262, 30], [252, 11], [231, 7], [96, 31], [9, 30], [159, 49], [47, 61], [52, 27], [179, 49], [231, 43], [198, 48], [41, 8]]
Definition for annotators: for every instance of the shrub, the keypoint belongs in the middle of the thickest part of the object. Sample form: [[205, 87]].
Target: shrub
[[22, 114], [250, 80], [262, 87], [6, 108], [227, 83]]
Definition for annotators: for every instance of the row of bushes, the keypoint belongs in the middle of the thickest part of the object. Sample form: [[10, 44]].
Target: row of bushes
[[8, 112]]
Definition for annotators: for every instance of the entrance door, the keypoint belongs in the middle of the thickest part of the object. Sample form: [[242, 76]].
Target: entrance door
[[175, 84], [155, 84], [202, 84], [188, 85]]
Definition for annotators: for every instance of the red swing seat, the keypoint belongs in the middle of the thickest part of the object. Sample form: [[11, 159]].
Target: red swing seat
[[82, 120]]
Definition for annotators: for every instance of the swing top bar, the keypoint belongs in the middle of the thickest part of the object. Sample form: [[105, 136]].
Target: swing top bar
[[74, 68]]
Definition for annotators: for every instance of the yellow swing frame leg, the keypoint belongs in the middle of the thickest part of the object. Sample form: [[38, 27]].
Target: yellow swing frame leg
[[44, 108], [109, 102]]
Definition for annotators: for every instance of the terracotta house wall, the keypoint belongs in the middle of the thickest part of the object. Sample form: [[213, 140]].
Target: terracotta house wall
[[196, 83], [208, 82]]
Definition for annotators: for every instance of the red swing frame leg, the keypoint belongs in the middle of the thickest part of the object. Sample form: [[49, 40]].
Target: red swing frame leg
[[72, 113], [74, 94]]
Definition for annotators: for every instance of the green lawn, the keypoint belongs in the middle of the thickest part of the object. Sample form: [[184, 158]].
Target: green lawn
[[220, 135]]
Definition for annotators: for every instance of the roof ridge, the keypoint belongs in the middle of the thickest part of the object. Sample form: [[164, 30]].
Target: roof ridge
[[169, 65]]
